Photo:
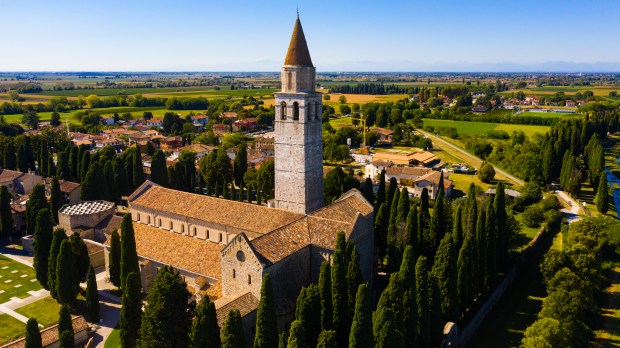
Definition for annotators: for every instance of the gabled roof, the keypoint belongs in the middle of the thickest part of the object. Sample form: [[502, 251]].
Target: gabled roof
[[245, 304], [298, 53]]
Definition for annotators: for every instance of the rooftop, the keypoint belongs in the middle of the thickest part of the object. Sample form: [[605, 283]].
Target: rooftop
[[298, 53], [87, 207], [245, 304], [49, 335]]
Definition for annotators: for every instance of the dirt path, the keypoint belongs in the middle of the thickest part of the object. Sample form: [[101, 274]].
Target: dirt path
[[474, 159]]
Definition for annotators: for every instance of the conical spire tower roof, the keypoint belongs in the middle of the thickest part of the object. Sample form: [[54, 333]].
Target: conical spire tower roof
[[298, 53]]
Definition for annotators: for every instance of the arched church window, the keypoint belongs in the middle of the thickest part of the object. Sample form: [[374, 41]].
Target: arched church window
[[182, 228], [290, 81], [283, 111], [158, 222], [193, 234], [148, 219], [296, 111], [249, 279]]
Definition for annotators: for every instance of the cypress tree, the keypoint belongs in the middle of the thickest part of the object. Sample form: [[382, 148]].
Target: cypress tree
[[114, 269], [283, 339], [394, 208], [51, 167], [10, 161], [232, 331], [121, 181], [159, 171], [325, 293], [464, 273], [445, 272], [41, 245], [6, 216], [110, 180], [435, 310], [388, 335], [361, 328], [266, 329], [411, 227], [481, 239], [368, 191], [129, 256], [63, 171], [205, 332], [297, 336], [93, 184], [381, 190], [138, 169], [74, 163], [29, 153], [339, 291], [500, 225], [80, 254], [43, 160], [422, 301], [354, 279], [59, 236], [84, 165], [438, 221], [92, 296], [308, 312], [22, 166], [602, 194], [327, 339], [56, 198], [240, 165], [65, 328], [381, 225], [403, 206], [67, 281], [472, 211], [168, 311], [409, 297], [131, 311], [393, 186], [33, 335], [457, 228], [128, 157], [36, 202], [491, 244]]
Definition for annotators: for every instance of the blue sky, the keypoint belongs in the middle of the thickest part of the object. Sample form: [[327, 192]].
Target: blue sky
[[220, 35]]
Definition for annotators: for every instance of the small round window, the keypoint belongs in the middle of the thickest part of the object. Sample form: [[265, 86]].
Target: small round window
[[240, 256]]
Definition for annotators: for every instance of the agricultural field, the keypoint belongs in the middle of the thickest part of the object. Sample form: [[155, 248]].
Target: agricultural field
[[482, 128], [547, 114], [16, 279], [599, 91]]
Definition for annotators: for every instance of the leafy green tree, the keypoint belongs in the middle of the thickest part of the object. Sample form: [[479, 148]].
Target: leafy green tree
[[327, 339], [36, 202], [56, 198], [205, 332], [138, 169], [422, 300], [6, 217], [547, 330], [266, 329], [131, 311], [602, 194], [159, 171], [129, 255], [67, 281], [232, 331], [297, 336], [325, 292], [33, 335], [486, 173], [168, 311], [92, 296], [55, 120], [65, 328], [59, 236], [339, 291], [361, 328], [42, 244]]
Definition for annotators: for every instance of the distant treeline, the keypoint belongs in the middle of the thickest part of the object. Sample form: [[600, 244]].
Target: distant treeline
[[371, 88], [21, 87]]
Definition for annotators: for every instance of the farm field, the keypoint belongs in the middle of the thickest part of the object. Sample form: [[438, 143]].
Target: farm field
[[547, 114], [482, 128], [599, 91], [16, 279]]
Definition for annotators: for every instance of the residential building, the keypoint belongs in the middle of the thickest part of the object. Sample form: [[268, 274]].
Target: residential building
[[18, 182]]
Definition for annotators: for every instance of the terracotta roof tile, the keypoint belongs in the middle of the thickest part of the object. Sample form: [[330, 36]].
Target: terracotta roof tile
[[298, 53], [50, 335], [245, 304]]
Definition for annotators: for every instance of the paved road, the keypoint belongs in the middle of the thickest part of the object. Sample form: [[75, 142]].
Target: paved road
[[445, 144]]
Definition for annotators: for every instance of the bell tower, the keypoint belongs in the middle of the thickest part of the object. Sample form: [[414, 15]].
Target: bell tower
[[298, 132]]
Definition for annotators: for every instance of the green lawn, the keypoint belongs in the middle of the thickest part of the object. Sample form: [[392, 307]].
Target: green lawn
[[340, 122], [44, 310], [609, 333], [114, 340], [12, 274], [11, 329], [547, 114], [482, 128]]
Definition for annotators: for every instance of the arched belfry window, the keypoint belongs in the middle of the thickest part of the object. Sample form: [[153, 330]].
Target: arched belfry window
[[296, 111], [283, 110]]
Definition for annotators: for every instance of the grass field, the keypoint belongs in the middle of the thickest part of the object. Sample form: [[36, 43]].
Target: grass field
[[16, 279], [598, 91], [609, 333], [547, 114], [11, 329], [44, 310], [114, 340], [482, 128]]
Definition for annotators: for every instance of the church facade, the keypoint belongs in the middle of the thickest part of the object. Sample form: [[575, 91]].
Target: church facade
[[223, 248]]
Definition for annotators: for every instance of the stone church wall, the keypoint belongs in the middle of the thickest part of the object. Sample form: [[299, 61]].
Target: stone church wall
[[289, 275], [241, 269]]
